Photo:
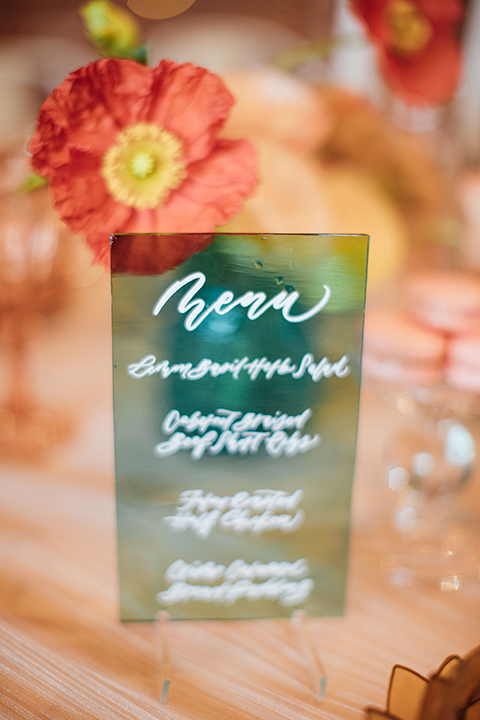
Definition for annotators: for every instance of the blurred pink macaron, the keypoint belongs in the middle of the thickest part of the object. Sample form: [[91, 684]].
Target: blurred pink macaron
[[462, 370], [398, 350], [445, 300]]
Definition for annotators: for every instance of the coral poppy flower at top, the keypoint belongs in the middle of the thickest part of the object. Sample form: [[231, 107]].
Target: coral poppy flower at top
[[133, 149], [420, 54]]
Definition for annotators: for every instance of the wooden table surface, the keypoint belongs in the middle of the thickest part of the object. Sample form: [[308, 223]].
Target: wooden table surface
[[65, 656]]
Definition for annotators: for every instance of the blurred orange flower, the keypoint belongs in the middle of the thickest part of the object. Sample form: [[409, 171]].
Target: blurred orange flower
[[133, 149], [418, 44]]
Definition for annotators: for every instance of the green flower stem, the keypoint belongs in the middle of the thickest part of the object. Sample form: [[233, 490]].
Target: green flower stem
[[293, 58]]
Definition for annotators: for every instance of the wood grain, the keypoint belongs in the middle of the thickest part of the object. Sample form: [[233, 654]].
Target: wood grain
[[65, 656]]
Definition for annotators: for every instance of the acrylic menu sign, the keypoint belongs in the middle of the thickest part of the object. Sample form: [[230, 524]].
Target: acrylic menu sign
[[236, 390]]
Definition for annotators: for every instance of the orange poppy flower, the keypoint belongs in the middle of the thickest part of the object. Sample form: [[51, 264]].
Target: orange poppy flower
[[133, 149], [418, 45]]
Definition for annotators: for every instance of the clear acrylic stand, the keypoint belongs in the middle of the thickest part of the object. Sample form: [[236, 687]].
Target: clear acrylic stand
[[309, 652], [298, 620], [162, 625]]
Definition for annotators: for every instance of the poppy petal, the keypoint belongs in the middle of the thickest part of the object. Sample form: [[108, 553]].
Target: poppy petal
[[431, 76], [155, 254], [190, 102]]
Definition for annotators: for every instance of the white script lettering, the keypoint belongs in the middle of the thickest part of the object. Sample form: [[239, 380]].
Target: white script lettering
[[254, 368], [288, 593], [196, 309], [242, 513], [284, 581], [236, 433]]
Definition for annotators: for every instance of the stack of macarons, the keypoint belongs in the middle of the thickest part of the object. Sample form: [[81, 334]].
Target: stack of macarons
[[433, 339], [398, 350]]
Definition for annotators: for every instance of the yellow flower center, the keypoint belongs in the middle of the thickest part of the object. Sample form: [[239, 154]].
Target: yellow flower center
[[144, 166], [411, 30]]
